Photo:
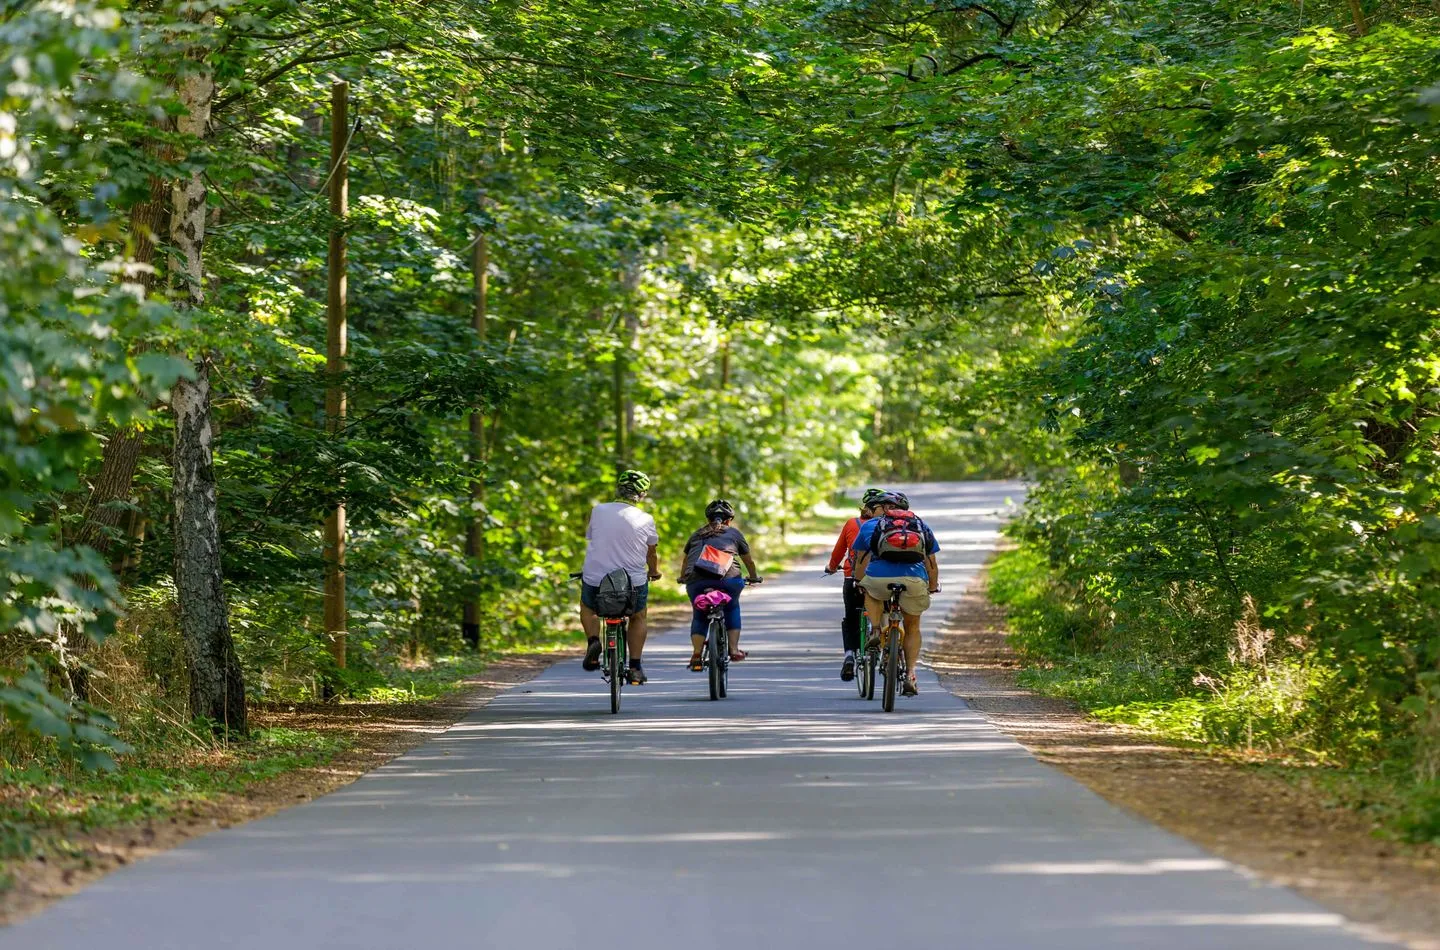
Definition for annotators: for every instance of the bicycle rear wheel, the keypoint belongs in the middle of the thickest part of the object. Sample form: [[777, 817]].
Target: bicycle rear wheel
[[724, 661], [892, 669], [713, 636], [617, 664]]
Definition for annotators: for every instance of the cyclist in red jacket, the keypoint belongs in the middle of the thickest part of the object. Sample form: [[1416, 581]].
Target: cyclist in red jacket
[[844, 557]]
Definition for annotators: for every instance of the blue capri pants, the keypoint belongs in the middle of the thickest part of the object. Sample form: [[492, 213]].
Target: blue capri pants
[[730, 585]]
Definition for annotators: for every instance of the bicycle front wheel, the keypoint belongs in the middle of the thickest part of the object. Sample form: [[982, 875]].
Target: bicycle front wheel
[[713, 638], [892, 669], [863, 666]]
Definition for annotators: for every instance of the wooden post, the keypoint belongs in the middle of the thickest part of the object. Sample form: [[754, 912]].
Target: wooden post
[[474, 533], [336, 618]]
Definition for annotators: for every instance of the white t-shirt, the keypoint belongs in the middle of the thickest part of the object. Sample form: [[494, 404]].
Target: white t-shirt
[[619, 536]]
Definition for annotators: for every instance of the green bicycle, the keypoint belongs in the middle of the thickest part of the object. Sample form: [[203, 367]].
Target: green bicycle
[[614, 660]]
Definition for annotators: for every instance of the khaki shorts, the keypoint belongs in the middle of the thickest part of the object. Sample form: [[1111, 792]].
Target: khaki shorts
[[914, 601]]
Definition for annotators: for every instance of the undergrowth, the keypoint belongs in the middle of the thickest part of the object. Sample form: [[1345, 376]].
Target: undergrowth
[[46, 799], [1282, 708]]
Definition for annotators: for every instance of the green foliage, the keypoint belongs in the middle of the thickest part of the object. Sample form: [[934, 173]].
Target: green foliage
[[77, 729], [64, 373]]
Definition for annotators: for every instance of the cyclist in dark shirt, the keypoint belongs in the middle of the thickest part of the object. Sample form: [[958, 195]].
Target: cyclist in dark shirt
[[710, 560]]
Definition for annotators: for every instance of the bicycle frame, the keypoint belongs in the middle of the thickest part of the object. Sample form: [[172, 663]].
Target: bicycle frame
[[615, 663], [891, 640], [716, 653]]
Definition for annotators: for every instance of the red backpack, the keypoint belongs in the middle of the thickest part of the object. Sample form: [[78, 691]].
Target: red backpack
[[899, 537]]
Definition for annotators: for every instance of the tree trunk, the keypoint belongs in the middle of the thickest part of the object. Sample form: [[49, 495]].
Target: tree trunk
[[475, 529], [217, 687], [722, 445], [628, 333], [337, 619], [630, 287], [622, 437], [1357, 13]]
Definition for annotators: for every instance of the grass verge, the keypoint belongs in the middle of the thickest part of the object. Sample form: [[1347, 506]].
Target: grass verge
[[1293, 715]]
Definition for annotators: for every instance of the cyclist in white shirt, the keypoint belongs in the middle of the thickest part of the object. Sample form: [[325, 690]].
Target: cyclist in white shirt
[[620, 537]]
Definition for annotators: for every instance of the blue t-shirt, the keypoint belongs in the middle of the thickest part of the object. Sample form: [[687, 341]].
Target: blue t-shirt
[[879, 568]]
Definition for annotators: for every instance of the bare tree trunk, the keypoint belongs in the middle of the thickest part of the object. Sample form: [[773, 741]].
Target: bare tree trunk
[[630, 287], [722, 446], [628, 332], [475, 530], [217, 687], [337, 619]]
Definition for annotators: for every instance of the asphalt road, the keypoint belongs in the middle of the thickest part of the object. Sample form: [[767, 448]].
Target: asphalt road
[[792, 814]]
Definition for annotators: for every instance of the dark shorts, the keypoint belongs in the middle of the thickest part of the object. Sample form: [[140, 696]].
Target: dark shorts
[[640, 596]]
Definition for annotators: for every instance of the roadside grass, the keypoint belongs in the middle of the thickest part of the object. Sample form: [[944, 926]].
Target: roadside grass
[[425, 681], [1296, 718], [47, 802]]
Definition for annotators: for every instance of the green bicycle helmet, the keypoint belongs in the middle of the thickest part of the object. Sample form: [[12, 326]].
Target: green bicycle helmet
[[871, 496], [632, 484]]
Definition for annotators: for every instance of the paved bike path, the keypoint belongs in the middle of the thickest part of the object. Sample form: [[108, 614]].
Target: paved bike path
[[792, 814]]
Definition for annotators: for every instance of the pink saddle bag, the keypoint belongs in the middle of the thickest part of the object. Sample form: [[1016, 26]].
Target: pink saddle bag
[[711, 598]]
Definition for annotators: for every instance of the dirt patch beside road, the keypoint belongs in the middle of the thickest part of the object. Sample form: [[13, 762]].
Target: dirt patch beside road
[[1283, 829], [374, 733]]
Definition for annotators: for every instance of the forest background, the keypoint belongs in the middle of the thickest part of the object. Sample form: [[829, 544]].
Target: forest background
[[1173, 261]]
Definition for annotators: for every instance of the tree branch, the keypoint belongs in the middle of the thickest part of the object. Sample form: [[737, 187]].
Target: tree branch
[[304, 60]]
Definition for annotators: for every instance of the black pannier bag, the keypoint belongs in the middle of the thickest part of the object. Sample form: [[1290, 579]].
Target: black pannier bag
[[615, 595]]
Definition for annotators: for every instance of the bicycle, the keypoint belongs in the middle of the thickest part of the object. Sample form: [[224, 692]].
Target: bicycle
[[865, 661], [614, 657], [715, 655], [889, 645]]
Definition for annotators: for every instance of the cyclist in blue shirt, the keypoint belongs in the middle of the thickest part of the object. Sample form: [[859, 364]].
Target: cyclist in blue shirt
[[876, 569]]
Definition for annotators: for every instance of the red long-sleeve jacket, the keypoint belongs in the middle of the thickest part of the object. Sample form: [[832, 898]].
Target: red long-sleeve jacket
[[840, 557]]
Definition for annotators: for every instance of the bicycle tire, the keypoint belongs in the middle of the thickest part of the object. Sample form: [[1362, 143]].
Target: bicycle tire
[[892, 669], [871, 666], [861, 661], [618, 668], [724, 662], [712, 639]]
